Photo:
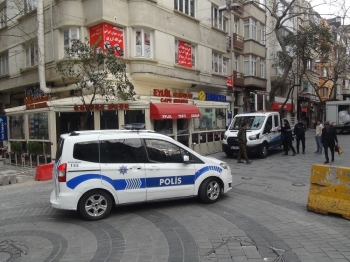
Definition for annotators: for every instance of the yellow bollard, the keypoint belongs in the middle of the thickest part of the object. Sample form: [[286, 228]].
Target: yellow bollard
[[329, 190]]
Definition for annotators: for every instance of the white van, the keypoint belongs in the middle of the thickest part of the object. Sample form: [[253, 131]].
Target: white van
[[262, 133], [95, 170]]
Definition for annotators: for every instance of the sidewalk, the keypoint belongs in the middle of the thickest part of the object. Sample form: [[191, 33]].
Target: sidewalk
[[22, 173]]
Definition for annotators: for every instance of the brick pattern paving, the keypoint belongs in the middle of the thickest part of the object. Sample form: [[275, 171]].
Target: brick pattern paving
[[262, 218]]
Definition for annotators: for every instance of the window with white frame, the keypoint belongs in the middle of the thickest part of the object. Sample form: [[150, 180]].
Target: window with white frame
[[4, 64], [249, 65], [143, 43], [185, 54], [185, 6], [219, 64], [236, 63], [262, 68], [29, 5], [218, 19], [236, 26], [31, 54], [249, 27], [3, 17], [69, 36], [262, 34]]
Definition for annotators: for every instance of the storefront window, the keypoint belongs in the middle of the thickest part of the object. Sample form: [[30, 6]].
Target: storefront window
[[163, 126], [69, 122], [211, 119], [17, 127], [182, 131], [38, 126], [134, 117], [109, 120]]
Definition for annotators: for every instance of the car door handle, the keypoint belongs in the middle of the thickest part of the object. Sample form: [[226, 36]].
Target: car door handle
[[135, 167]]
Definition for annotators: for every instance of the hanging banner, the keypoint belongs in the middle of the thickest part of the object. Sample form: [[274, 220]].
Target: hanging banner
[[3, 128], [229, 82], [109, 36], [184, 54]]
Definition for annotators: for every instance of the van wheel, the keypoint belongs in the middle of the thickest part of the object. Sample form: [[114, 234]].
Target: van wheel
[[95, 205], [229, 154], [209, 191], [263, 151]]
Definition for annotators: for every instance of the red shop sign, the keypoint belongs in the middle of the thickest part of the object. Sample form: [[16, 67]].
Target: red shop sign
[[108, 37]]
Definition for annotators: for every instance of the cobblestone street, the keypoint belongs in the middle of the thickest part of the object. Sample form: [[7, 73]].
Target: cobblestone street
[[263, 218]]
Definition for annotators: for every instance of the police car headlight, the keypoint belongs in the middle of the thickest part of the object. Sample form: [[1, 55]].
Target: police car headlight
[[224, 165], [225, 137], [254, 137]]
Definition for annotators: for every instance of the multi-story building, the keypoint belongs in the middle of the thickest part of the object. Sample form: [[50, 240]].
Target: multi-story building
[[179, 58], [341, 58]]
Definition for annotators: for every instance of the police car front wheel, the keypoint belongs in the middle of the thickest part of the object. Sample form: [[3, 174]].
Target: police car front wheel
[[95, 205], [210, 190]]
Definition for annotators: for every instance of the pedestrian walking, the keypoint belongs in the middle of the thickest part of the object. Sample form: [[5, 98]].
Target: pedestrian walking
[[242, 142], [287, 137], [299, 134], [318, 137], [329, 140]]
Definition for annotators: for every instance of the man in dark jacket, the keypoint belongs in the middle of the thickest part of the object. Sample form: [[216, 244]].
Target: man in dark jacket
[[287, 137], [329, 140], [299, 133], [242, 141]]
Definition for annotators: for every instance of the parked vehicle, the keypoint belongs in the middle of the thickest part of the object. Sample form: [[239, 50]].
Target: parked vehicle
[[262, 133], [95, 170], [338, 112]]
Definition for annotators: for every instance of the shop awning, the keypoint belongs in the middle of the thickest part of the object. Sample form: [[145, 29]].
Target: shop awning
[[173, 111], [278, 105]]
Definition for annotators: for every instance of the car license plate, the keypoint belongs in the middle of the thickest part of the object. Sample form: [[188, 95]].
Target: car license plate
[[234, 147]]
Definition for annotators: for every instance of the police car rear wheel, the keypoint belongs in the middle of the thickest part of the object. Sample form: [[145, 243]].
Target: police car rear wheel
[[210, 190], [95, 205]]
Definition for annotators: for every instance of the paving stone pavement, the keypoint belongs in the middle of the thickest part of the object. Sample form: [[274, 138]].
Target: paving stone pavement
[[264, 218]]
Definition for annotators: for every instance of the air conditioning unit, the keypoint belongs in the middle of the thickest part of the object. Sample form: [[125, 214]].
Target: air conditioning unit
[[230, 5]]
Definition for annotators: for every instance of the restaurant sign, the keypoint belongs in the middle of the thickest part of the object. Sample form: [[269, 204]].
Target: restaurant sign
[[175, 97], [101, 107]]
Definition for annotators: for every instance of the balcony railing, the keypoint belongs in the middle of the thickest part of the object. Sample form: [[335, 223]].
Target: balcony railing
[[237, 41], [238, 78]]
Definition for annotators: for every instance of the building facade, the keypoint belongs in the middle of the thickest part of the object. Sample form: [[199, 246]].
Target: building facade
[[181, 62]]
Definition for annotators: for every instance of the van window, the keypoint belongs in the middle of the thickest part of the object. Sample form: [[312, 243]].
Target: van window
[[86, 151], [164, 152], [253, 122], [122, 151], [277, 123], [268, 125], [59, 149]]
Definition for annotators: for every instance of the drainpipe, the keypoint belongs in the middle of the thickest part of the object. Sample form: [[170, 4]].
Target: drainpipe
[[41, 52]]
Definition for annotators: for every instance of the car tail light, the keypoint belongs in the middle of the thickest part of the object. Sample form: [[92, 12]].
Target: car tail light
[[62, 173]]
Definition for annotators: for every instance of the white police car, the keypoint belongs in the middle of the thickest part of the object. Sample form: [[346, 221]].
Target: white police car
[[95, 170]]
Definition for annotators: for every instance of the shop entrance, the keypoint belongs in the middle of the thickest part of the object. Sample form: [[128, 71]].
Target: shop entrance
[[68, 122]]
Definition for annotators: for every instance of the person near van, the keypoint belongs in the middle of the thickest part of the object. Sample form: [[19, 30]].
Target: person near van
[[318, 137], [242, 142], [299, 133], [287, 137], [329, 140]]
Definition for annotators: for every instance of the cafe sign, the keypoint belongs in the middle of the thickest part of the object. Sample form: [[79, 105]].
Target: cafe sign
[[101, 107], [168, 97]]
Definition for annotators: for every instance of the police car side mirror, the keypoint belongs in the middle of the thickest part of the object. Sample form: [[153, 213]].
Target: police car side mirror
[[186, 158]]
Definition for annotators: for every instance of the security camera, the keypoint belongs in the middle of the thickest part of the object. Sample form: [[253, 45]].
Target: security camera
[[223, 7], [234, 6]]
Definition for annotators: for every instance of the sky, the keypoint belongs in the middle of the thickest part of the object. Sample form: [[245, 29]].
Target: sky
[[331, 8]]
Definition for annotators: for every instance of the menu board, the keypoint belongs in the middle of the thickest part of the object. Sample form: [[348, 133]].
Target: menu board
[[38, 126]]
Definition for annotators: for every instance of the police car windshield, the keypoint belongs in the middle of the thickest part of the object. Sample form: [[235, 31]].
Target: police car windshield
[[253, 122]]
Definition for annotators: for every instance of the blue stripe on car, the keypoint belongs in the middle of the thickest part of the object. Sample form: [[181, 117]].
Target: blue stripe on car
[[137, 183]]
